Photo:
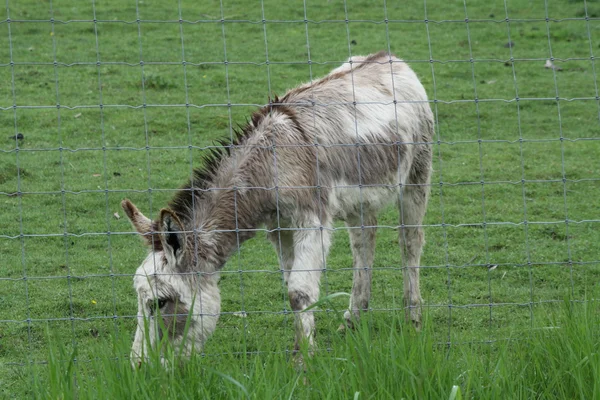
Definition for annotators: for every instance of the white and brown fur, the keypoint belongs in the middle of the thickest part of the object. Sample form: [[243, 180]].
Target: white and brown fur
[[341, 147]]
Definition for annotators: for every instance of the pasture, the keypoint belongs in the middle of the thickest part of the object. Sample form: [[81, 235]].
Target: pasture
[[121, 100]]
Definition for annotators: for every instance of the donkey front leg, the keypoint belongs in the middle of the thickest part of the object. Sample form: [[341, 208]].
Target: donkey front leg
[[283, 242], [311, 246], [362, 241]]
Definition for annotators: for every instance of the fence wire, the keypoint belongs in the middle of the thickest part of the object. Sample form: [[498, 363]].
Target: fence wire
[[518, 235]]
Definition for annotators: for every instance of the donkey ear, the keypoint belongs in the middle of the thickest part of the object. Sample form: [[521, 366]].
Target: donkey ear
[[172, 237], [140, 222]]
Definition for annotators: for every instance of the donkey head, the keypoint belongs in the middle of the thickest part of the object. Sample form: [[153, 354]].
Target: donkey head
[[176, 301]]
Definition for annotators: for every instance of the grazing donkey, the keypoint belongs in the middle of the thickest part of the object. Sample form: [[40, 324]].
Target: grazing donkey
[[340, 147]]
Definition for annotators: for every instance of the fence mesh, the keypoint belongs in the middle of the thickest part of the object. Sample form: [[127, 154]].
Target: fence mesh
[[106, 100]]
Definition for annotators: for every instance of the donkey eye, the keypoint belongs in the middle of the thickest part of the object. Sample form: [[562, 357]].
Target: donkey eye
[[156, 304], [161, 303]]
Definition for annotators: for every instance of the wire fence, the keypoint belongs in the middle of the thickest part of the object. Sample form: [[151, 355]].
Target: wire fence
[[105, 101]]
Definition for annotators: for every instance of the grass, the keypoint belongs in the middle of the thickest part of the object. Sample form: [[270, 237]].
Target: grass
[[60, 186], [557, 359]]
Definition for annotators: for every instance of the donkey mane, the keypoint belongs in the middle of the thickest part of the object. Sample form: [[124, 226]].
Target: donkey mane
[[186, 197]]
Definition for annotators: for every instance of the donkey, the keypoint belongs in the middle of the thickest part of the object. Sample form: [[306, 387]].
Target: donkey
[[341, 147]]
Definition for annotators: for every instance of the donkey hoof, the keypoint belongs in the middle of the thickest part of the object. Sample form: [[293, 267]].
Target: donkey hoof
[[298, 362], [417, 325], [348, 324]]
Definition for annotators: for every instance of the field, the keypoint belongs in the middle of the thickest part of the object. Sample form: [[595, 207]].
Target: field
[[101, 101]]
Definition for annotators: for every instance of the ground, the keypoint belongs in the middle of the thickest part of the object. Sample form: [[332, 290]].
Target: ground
[[111, 108]]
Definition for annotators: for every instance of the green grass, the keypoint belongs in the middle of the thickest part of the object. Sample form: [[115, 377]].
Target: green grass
[[60, 270], [559, 358]]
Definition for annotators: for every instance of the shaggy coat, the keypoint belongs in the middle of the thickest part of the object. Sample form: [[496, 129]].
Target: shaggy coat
[[341, 147]]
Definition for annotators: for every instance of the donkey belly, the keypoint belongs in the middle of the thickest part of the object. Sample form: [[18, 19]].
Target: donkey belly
[[351, 200]]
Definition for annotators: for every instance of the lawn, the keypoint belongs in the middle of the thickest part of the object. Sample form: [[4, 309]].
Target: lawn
[[101, 101]]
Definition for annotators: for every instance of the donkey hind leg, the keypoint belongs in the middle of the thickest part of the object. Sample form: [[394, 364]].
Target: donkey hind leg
[[362, 243], [283, 242], [311, 245], [411, 240]]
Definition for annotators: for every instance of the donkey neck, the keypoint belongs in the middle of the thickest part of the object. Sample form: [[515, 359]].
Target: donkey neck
[[224, 218], [231, 195], [232, 210]]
